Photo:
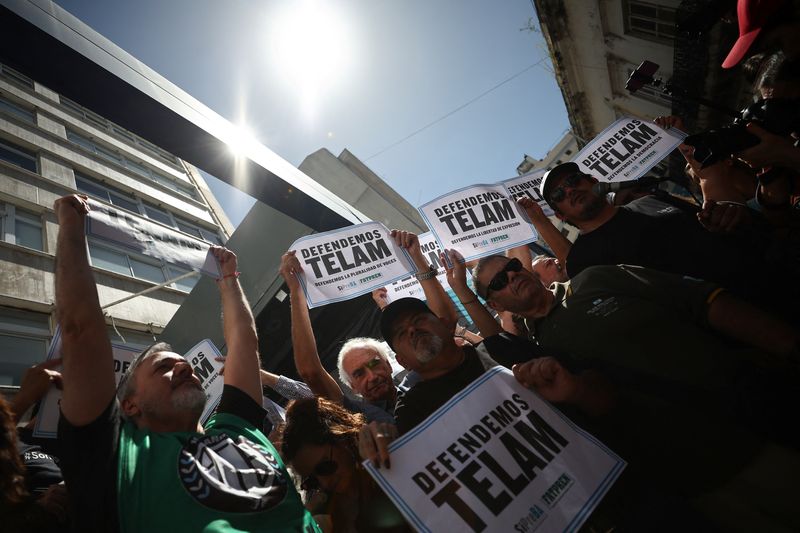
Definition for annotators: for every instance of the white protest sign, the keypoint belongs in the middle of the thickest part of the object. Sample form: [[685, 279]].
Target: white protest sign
[[203, 360], [478, 220], [497, 458], [627, 149], [348, 262], [201, 357], [47, 418], [527, 186], [409, 287], [150, 239]]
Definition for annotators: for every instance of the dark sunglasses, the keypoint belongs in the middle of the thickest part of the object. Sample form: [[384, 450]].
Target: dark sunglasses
[[500, 280], [323, 468], [559, 193]]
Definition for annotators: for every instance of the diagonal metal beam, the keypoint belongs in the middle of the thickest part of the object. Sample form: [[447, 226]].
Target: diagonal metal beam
[[45, 42]]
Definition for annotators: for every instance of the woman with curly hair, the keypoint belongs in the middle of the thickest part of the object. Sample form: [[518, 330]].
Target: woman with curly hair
[[320, 441]]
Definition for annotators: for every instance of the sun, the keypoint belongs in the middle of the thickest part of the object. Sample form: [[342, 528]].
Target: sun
[[310, 47]]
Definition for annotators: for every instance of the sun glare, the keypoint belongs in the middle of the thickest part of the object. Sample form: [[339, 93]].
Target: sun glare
[[310, 47], [241, 139]]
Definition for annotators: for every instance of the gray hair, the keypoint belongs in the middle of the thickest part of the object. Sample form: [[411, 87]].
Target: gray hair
[[126, 387], [357, 343]]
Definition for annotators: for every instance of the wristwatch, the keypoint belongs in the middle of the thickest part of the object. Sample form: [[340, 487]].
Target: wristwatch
[[428, 274]]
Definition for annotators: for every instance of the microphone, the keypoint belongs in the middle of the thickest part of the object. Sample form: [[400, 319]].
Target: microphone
[[602, 189]]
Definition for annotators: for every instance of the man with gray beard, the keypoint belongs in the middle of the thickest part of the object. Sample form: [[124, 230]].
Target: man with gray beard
[[139, 460], [424, 343]]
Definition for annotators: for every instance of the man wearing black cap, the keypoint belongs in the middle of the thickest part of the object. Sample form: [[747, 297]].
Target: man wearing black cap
[[646, 232], [424, 343]]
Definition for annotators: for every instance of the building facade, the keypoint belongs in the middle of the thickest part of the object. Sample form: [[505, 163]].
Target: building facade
[[49, 147], [596, 44]]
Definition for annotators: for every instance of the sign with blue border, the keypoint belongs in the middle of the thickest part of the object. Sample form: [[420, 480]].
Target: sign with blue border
[[627, 149], [345, 263], [496, 457], [477, 221]]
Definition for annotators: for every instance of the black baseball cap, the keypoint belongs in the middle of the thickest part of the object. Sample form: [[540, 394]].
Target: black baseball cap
[[396, 310], [554, 174]]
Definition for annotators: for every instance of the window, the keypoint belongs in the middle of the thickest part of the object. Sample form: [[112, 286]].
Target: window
[[7, 106], [116, 197], [16, 77], [107, 257], [16, 155], [21, 227], [159, 215], [196, 231], [106, 125], [106, 193], [133, 166], [24, 339], [649, 21]]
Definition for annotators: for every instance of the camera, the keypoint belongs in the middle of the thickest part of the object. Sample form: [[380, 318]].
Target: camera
[[780, 116]]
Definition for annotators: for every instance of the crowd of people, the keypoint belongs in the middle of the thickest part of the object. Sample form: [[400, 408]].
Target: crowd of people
[[666, 330]]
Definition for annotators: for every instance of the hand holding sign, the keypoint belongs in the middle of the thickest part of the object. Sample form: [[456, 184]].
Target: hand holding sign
[[227, 262], [290, 270], [69, 206], [532, 209], [373, 442], [456, 271], [36, 381]]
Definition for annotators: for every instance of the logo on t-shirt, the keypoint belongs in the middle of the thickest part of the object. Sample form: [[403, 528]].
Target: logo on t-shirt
[[231, 475]]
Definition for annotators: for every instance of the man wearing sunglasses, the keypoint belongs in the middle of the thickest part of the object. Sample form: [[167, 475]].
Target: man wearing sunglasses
[[651, 233]]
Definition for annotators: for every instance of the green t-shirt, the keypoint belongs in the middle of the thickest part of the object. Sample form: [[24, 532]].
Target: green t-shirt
[[229, 479]]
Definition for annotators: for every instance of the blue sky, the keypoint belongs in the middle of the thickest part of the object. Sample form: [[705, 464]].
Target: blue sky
[[357, 74]]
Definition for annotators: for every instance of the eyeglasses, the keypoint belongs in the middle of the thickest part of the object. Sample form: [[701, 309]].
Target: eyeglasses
[[559, 193], [500, 280], [323, 468]]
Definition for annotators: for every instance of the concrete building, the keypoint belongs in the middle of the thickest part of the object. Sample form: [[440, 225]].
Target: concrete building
[[51, 146], [563, 151], [596, 44]]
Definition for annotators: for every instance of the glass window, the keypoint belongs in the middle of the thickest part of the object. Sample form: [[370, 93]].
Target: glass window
[[124, 202], [139, 169], [109, 259], [16, 110], [185, 284], [157, 214], [649, 21], [106, 193], [81, 140], [23, 342], [17, 77], [87, 186], [28, 230], [17, 156], [108, 154], [147, 271]]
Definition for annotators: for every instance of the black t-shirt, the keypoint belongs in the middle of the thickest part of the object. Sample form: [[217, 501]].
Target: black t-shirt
[[650, 233], [421, 400], [41, 468], [90, 454]]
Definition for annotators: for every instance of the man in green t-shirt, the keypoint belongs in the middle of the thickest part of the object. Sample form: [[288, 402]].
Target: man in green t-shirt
[[138, 460]]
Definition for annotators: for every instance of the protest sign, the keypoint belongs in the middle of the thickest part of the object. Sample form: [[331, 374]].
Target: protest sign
[[409, 287], [49, 410], [627, 149], [527, 186], [348, 262], [203, 358], [478, 220], [149, 238], [497, 458]]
